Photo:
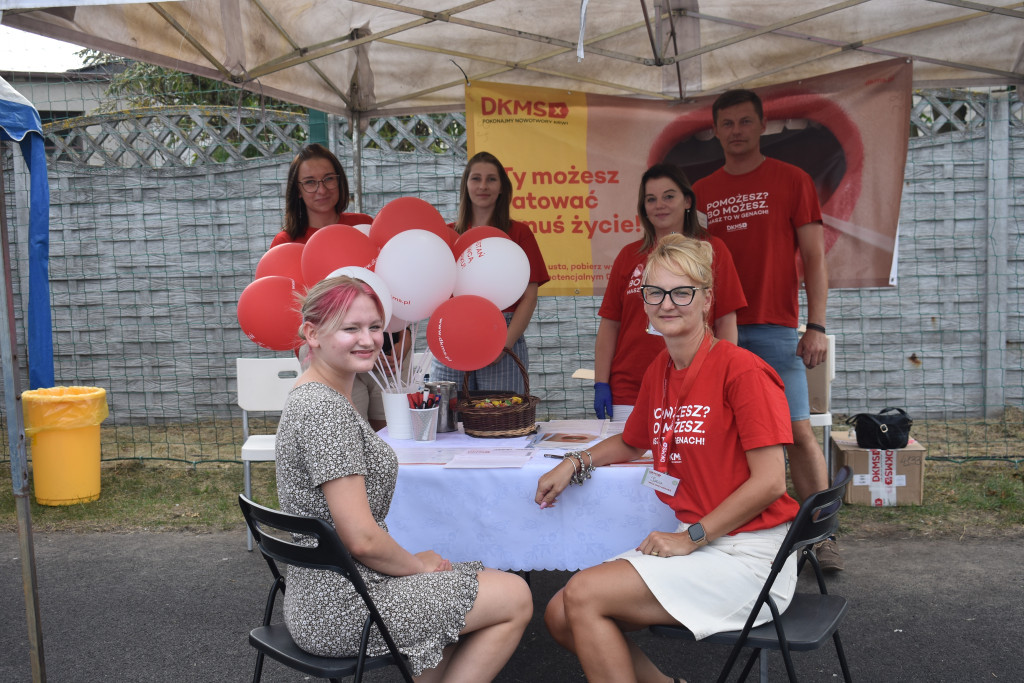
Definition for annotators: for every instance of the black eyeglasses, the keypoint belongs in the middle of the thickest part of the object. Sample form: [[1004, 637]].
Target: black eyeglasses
[[680, 296], [330, 182]]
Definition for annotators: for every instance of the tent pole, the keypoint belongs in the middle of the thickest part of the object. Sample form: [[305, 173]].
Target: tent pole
[[357, 157], [19, 457]]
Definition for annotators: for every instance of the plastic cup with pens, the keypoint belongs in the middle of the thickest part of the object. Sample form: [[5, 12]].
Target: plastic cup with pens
[[424, 423], [424, 409]]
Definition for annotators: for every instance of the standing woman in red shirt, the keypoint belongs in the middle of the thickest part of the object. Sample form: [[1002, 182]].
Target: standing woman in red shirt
[[716, 419], [316, 195], [485, 197], [625, 343]]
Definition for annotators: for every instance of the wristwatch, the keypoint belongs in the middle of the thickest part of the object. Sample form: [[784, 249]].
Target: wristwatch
[[697, 534]]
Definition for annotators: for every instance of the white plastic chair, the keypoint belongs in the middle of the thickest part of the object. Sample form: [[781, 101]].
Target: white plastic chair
[[263, 386], [823, 418]]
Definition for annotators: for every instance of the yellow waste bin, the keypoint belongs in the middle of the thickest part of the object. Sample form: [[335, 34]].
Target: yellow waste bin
[[64, 426]]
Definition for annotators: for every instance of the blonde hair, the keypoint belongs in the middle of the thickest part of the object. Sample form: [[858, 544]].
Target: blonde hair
[[326, 303], [683, 256]]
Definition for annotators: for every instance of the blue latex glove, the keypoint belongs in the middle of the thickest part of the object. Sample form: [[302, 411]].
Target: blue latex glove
[[603, 400]]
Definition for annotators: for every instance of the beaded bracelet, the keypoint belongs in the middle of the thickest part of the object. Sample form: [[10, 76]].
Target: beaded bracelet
[[589, 468], [575, 474], [583, 473]]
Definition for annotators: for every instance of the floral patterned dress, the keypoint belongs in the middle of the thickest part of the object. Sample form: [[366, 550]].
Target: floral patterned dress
[[321, 437]]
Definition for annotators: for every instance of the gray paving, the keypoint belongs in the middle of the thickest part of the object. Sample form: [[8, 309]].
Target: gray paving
[[177, 607]]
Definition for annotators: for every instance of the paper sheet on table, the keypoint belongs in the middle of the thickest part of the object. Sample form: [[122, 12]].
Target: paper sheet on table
[[570, 434], [457, 439], [613, 428], [425, 456], [488, 458]]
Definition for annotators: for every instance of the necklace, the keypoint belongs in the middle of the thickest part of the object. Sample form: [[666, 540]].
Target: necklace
[[668, 405]]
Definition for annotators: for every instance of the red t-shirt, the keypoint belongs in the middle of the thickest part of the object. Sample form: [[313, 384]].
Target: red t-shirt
[[345, 219], [757, 215], [736, 404], [635, 348], [521, 234]]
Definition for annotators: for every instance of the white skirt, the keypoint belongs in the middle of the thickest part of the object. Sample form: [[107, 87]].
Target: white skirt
[[714, 588]]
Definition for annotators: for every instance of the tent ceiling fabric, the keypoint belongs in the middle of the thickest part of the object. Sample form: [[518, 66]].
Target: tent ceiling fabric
[[377, 57]]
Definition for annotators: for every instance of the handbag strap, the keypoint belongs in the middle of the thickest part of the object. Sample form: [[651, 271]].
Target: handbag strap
[[902, 412], [853, 418], [519, 364]]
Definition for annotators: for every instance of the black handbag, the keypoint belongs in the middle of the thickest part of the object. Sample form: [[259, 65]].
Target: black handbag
[[887, 430]]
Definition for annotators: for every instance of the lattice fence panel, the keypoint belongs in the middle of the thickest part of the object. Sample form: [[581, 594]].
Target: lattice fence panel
[[943, 111], [185, 136]]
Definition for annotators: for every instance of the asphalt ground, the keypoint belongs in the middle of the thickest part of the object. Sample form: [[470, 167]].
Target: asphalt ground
[[177, 607]]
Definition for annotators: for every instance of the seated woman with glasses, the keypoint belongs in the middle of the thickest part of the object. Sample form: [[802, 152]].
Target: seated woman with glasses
[[316, 195], [716, 419], [625, 343]]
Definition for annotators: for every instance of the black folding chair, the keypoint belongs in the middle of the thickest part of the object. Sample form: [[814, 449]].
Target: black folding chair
[[328, 553], [811, 617]]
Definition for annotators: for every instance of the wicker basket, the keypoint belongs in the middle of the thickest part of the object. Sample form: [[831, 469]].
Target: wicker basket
[[500, 421]]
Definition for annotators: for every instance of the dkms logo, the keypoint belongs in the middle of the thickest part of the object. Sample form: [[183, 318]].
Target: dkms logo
[[490, 106]]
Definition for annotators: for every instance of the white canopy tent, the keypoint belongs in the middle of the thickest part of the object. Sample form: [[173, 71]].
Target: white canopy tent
[[364, 58], [372, 58]]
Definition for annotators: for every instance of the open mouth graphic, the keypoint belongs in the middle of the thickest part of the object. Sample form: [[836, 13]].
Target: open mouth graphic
[[803, 129]]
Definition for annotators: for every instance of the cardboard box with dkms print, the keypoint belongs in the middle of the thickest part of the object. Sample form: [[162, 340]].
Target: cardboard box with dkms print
[[880, 478]]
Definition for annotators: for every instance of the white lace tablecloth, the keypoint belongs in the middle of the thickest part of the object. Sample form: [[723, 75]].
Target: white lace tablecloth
[[489, 515]]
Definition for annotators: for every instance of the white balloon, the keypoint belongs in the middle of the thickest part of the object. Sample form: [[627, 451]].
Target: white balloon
[[397, 325], [376, 283], [496, 269], [363, 228], [419, 268]]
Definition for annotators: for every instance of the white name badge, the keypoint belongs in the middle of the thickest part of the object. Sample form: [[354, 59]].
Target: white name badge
[[660, 481]]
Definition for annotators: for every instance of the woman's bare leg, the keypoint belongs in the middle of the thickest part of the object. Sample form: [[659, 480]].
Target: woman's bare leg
[[595, 617], [436, 674], [494, 626], [558, 625]]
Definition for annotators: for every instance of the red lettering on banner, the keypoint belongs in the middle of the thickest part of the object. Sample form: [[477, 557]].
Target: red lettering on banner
[[490, 106], [889, 466], [527, 108], [875, 467]]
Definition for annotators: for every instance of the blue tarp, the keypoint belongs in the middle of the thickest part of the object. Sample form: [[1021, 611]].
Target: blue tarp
[[19, 121]]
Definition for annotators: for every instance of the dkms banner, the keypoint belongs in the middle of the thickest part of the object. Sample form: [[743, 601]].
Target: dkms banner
[[575, 161]]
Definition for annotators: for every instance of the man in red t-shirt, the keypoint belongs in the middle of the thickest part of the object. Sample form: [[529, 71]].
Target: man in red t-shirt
[[767, 212]]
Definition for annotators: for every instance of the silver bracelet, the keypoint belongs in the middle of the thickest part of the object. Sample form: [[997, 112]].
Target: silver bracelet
[[575, 476], [591, 456], [585, 470], [581, 474]]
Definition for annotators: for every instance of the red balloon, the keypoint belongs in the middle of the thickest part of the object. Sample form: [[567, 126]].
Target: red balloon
[[466, 333], [268, 312], [333, 247], [284, 259], [406, 213], [475, 235]]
